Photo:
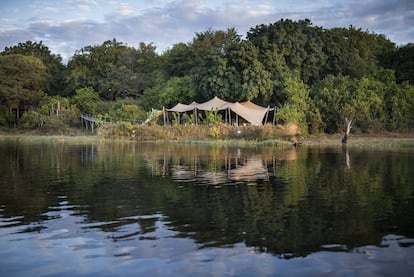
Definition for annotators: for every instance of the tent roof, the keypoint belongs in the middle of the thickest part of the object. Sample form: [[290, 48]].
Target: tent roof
[[215, 103], [251, 105], [253, 113], [183, 107]]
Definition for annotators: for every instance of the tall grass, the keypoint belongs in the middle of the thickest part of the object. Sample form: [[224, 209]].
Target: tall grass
[[34, 139], [267, 134]]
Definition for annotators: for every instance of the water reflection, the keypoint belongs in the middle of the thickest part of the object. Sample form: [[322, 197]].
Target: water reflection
[[219, 166], [179, 206], [233, 170]]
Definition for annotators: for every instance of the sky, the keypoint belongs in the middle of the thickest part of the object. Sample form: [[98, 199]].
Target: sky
[[66, 26]]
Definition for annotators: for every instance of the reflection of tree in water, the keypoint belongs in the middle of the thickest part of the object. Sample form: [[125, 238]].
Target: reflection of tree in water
[[304, 204], [302, 198], [219, 166]]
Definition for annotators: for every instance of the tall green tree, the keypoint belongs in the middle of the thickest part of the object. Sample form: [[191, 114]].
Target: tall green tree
[[402, 61], [231, 70], [299, 108], [147, 64], [92, 67], [402, 108], [88, 101], [367, 103], [213, 42], [362, 100], [289, 49], [178, 61], [355, 52], [177, 90], [54, 69], [333, 99], [298, 44], [22, 80], [113, 69], [215, 77], [254, 81]]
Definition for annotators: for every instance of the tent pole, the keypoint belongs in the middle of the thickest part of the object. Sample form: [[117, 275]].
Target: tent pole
[[267, 114], [163, 115]]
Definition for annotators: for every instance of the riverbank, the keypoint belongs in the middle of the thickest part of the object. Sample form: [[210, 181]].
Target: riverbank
[[405, 141], [244, 136]]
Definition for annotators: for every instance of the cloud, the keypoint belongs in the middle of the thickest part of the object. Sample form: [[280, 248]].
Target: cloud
[[79, 23]]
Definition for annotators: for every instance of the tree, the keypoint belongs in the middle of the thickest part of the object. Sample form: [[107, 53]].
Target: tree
[[402, 61], [355, 52], [54, 69], [113, 69], [254, 80], [402, 108], [214, 77], [360, 100], [295, 45], [87, 100], [22, 81], [178, 61], [333, 99], [147, 64], [299, 107], [177, 90], [367, 104], [91, 67], [212, 42]]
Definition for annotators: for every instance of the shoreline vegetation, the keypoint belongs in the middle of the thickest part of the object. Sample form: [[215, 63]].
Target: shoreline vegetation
[[247, 136], [308, 79]]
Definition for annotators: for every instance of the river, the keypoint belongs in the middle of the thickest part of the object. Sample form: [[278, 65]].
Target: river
[[159, 209]]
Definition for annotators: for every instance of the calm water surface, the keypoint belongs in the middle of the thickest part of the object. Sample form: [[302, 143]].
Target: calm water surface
[[125, 209]]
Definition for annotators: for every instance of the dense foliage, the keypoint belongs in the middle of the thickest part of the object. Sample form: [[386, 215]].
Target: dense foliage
[[314, 76]]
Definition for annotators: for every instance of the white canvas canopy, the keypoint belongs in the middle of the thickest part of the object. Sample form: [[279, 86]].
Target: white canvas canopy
[[251, 112], [214, 104], [181, 108], [252, 115]]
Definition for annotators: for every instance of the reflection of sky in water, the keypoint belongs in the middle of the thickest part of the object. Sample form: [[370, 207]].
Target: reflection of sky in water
[[124, 220], [70, 247]]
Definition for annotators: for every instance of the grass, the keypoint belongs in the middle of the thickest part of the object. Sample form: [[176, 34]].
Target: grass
[[238, 142], [221, 135], [24, 138], [372, 141]]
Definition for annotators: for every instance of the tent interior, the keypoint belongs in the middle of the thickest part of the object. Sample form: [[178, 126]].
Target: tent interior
[[232, 113]]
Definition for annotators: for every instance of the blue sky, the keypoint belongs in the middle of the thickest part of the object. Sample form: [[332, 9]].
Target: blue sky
[[68, 25]]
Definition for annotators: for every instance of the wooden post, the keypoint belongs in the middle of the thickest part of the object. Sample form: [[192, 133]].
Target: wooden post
[[163, 115], [347, 130], [267, 115]]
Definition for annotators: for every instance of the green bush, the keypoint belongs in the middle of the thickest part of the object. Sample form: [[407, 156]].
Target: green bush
[[31, 120]]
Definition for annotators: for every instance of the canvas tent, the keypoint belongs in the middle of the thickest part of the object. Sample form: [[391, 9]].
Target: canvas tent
[[181, 108], [252, 113]]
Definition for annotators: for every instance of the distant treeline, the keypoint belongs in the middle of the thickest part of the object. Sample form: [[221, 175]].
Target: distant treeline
[[314, 76]]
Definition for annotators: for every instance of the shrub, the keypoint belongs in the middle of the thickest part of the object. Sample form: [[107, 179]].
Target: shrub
[[31, 120]]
